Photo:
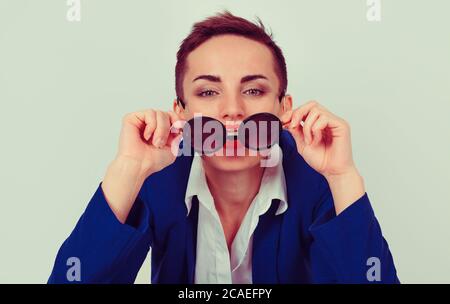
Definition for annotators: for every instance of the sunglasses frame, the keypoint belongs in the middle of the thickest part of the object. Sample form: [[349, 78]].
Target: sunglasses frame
[[269, 117]]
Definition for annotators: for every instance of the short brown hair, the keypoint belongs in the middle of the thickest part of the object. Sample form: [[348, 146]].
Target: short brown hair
[[227, 23]]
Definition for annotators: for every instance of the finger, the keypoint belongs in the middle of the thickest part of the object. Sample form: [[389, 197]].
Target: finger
[[162, 129], [336, 122], [299, 137], [318, 127], [174, 143], [148, 118], [176, 122], [175, 132], [300, 114], [286, 117], [310, 119]]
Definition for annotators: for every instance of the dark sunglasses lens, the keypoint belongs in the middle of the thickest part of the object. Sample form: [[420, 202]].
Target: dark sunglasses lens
[[205, 134], [260, 131]]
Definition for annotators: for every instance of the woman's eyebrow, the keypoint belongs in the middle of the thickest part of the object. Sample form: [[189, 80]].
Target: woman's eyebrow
[[208, 77], [252, 77], [244, 79]]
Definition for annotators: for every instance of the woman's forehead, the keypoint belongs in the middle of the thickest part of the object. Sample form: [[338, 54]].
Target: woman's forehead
[[230, 56]]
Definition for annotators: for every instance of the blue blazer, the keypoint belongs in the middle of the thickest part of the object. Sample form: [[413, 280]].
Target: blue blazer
[[306, 244]]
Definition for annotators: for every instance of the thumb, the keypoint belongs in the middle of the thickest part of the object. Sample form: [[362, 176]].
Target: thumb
[[299, 137], [174, 143]]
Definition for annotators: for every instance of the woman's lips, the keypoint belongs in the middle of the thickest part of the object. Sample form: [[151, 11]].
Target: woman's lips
[[231, 142], [231, 138]]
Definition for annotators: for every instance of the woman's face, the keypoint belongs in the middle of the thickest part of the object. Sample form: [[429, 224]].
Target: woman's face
[[229, 78]]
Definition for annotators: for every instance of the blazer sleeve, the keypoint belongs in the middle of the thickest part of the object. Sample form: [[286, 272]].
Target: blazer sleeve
[[106, 250], [350, 247]]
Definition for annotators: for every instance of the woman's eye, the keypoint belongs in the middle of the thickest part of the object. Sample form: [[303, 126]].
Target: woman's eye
[[207, 93], [255, 92], [252, 92]]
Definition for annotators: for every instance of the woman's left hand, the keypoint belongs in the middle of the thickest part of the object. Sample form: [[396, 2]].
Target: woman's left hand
[[323, 140]]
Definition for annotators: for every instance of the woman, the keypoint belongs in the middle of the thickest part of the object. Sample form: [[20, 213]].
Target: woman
[[227, 219]]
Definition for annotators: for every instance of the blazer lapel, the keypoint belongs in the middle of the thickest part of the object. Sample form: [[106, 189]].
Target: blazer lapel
[[266, 238], [265, 247], [191, 240]]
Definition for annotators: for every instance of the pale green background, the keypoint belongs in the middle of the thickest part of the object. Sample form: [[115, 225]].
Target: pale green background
[[65, 86]]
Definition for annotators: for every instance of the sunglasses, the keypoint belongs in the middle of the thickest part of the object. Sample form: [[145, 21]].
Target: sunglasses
[[257, 132]]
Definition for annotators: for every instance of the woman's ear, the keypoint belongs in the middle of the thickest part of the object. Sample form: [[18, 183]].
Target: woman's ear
[[177, 108], [286, 104]]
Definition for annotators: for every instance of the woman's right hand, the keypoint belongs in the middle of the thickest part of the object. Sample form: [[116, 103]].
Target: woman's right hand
[[146, 137], [145, 147]]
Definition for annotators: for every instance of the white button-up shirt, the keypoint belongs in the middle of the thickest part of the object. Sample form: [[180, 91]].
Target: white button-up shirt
[[214, 264]]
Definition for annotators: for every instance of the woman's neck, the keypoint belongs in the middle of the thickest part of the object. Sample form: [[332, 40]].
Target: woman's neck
[[233, 193]]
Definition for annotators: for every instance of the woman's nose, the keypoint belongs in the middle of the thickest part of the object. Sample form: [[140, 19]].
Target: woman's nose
[[232, 110]]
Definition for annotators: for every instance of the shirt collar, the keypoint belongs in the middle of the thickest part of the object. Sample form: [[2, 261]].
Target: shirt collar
[[273, 184]]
